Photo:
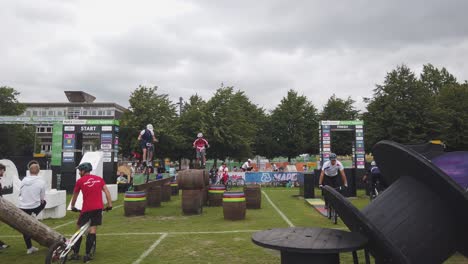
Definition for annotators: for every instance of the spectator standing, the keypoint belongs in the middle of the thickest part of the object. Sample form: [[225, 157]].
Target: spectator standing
[[2, 171], [31, 199]]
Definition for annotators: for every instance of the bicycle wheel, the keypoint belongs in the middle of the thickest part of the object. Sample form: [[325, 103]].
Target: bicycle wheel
[[228, 185], [240, 182], [53, 255], [335, 216]]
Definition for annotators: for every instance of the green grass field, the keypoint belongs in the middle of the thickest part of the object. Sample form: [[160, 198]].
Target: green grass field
[[165, 235]]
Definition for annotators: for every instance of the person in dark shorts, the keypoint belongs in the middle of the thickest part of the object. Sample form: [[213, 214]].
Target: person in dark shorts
[[2, 171], [91, 186]]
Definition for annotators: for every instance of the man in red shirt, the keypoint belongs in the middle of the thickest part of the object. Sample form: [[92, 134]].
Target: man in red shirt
[[91, 186], [200, 144]]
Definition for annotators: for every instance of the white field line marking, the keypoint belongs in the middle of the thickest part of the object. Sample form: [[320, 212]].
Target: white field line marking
[[278, 210], [59, 226], [150, 249], [71, 222], [181, 233], [172, 233]]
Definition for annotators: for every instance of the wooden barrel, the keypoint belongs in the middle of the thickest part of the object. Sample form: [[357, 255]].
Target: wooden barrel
[[192, 201], [134, 203], [206, 177], [153, 196], [205, 195], [215, 195], [166, 192], [234, 205], [191, 179], [174, 188], [253, 196]]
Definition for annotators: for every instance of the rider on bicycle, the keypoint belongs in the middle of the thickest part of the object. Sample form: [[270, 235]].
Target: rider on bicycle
[[146, 138], [200, 144], [247, 166], [330, 169], [91, 186], [374, 179]]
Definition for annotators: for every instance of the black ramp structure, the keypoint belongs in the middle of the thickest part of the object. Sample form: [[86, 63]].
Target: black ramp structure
[[421, 218]]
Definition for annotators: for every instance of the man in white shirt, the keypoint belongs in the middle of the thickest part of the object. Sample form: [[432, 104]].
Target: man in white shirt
[[247, 166], [329, 172]]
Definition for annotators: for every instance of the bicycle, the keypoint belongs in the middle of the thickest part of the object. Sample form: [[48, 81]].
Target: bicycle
[[199, 161], [331, 212], [147, 165], [58, 252]]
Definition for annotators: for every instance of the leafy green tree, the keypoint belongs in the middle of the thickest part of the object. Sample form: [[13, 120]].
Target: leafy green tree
[[17, 140], [9, 104], [192, 121], [265, 143], [402, 110], [340, 109], [231, 119], [453, 100], [434, 79], [295, 125], [149, 107]]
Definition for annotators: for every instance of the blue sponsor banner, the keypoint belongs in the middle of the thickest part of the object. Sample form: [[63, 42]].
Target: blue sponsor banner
[[266, 177]]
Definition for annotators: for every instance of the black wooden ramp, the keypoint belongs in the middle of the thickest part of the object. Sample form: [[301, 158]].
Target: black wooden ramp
[[421, 218]]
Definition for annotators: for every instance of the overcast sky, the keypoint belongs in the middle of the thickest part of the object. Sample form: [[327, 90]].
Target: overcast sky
[[263, 47]]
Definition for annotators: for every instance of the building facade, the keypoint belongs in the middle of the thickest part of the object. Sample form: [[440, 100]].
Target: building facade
[[80, 105]]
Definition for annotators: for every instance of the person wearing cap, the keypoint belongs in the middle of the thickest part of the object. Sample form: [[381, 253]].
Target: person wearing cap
[[247, 166], [147, 138], [329, 173], [2, 171], [200, 144], [32, 198], [91, 186]]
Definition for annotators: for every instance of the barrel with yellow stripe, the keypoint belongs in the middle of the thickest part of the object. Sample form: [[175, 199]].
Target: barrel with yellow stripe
[[215, 195], [174, 188], [134, 203], [234, 205]]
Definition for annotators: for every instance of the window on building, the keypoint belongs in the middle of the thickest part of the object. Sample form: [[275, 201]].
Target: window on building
[[109, 112], [43, 113], [49, 129], [93, 112], [34, 113], [50, 113], [100, 113], [85, 112]]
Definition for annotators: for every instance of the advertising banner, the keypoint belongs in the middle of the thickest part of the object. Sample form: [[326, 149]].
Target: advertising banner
[[268, 177], [56, 145]]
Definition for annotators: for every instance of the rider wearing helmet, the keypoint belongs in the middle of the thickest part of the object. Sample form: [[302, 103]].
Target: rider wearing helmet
[[91, 186], [200, 144], [146, 138], [330, 169], [247, 166]]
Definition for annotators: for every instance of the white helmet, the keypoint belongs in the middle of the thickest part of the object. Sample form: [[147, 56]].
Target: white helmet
[[149, 126], [249, 160], [200, 135], [373, 163]]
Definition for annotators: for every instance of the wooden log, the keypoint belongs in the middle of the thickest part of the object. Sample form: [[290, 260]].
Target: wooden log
[[150, 184], [28, 225]]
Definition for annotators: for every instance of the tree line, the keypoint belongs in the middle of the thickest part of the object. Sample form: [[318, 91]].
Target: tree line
[[405, 108]]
